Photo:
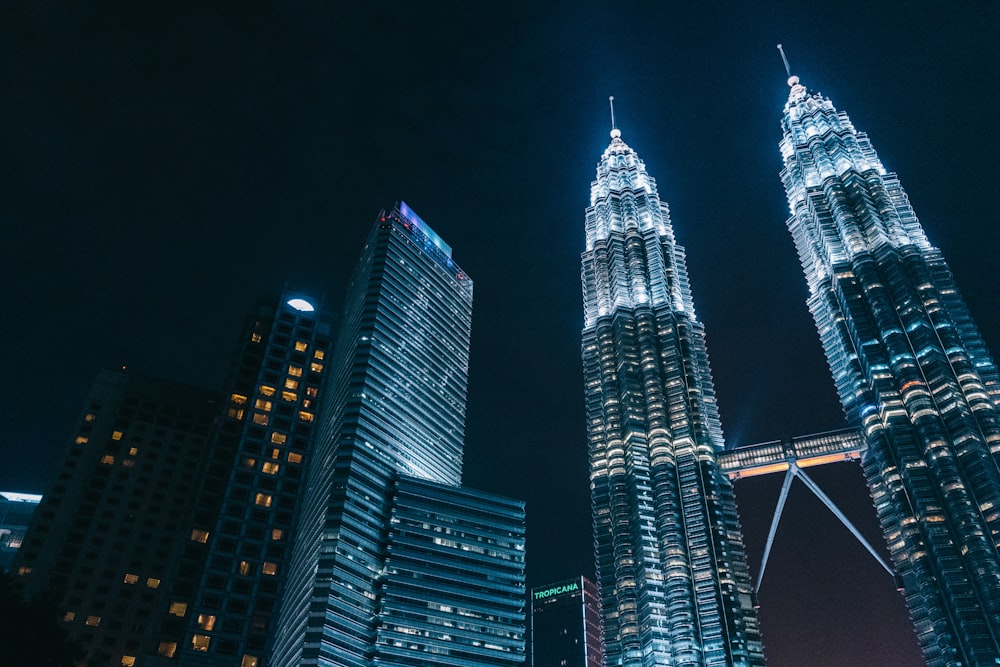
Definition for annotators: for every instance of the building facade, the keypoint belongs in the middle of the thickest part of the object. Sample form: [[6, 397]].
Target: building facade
[[396, 408], [453, 590], [671, 566], [16, 510], [167, 532], [911, 370], [239, 541], [566, 625], [109, 536]]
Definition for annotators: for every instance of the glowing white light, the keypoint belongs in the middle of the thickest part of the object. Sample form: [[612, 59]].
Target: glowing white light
[[21, 497], [301, 305]]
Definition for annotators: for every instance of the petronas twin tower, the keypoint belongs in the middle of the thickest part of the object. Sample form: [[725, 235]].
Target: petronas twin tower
[[911, 369]]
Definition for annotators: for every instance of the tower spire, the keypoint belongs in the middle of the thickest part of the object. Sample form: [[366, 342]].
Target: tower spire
[[615, 132], [788, 70], [797, 91]]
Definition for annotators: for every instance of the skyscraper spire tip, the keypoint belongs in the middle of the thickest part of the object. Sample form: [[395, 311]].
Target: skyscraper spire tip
[[792, 80], [615, 132]]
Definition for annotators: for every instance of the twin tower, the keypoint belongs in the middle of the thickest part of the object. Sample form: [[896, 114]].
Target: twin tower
[[911, 370]]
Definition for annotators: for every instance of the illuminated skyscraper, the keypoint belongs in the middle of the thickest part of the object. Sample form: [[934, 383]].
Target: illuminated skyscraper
[[384, 483], [911, 370], [671, 566]]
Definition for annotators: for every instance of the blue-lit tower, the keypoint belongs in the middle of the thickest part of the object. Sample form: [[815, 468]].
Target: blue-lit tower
[[911, 370], [671, 566], [395, 563]]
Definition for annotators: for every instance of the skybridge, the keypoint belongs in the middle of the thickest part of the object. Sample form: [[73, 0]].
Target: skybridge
[[792, 457]]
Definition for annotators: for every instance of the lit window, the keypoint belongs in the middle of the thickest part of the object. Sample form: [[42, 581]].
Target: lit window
[[128, 463], [179, 609], [261, 404], [260, 418], [294, 457], [116, 435], [235, 413], [269, 468], [132, 451], [269, 568], [24, 569], [89, 417], [249, 661], [319, 354], [266, 390], [277, 534], [263, 499], [278, 438], [306, 403], [199, 536], [206, 622], [305, 416], [107, 459], [249, 462], [316, 367], [244, 567], [200, 642], [275, 453], [93, 621], [69, 616], [130, 578], [152, 582], [291, 384], [82, 440], [255, 337], [167, 649], [295, 371], [128, 660], [300, 346], [289, 396], [239, 399], [312, 391]]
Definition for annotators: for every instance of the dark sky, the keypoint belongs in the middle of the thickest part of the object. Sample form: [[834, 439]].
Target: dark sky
[[163, 165]]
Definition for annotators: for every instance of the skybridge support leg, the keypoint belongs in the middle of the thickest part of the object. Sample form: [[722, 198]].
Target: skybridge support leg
[[811, 485], [782, 497]]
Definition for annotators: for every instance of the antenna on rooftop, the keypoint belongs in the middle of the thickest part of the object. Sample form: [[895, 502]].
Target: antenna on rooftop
[[788, 70], [611, 101]]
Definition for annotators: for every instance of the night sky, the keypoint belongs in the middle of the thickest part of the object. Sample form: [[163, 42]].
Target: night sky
[[163, 164]]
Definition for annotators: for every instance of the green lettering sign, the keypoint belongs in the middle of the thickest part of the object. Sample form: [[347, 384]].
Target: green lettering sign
[[556, 590]]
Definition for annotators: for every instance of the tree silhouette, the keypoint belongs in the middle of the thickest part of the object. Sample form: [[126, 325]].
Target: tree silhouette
[[31, 631]]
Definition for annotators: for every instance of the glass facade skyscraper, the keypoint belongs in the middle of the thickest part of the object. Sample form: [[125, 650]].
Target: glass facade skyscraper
[[671, 566], [395, 411], [911, 370], [453, 591]]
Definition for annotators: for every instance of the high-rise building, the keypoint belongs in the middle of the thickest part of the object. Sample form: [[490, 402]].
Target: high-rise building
[[396, 410], [167, 532], [109, 535], [912, 371], [453, 591], [16, 510], [566, 625], [244, 523], [671, 566]]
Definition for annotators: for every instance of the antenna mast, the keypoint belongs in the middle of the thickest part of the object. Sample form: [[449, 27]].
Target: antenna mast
[[611, 101], [788, 70]]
